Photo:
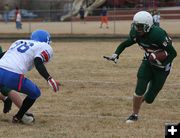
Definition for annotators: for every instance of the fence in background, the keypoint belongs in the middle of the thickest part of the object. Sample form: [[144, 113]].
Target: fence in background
[[119, 18]]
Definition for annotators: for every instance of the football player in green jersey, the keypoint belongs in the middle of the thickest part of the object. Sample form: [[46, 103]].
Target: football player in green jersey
[[151, 76]]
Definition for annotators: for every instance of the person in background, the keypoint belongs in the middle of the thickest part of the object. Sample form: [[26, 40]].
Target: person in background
[[6, 13], [81, 13], [156, 17], [104, 17], [18, 20]]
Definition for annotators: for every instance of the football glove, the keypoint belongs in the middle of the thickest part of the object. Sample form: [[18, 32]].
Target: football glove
[[54, 84], [114, 57]]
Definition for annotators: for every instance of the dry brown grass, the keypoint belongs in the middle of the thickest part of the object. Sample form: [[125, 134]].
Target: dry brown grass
[[96, 96]]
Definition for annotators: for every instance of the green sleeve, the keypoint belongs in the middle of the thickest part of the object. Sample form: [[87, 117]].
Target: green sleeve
[[1, 49], [128, 42], [166, 43], [171, 54]]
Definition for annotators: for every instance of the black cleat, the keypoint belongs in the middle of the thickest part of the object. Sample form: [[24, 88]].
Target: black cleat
[[7, 105], [28, 119], [15, 120], [132, 118]]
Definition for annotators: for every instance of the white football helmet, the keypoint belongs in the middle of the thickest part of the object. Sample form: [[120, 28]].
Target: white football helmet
[[143, 21]]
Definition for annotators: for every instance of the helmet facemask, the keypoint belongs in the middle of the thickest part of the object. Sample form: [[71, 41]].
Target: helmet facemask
[[141, 27]]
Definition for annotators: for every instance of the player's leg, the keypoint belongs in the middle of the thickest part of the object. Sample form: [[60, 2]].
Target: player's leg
[[10, 96], [143, 78], [106, 21], [15, 97], [7, 103], [138, 99], [19, 83], [2, 97], [6, 100], [101, 21], [32, 92], [159, 78]]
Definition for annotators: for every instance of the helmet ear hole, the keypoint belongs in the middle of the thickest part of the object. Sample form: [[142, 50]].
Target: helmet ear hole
[[41, 36]]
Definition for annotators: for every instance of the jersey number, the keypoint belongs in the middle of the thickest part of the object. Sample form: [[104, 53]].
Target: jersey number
[[23, 47]]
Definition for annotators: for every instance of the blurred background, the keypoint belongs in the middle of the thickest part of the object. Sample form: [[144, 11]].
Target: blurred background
[[66, 13]]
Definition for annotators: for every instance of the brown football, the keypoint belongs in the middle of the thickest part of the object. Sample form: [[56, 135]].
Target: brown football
[[159, 55]]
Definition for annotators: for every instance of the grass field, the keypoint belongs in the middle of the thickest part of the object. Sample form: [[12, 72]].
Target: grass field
[[96, 96]]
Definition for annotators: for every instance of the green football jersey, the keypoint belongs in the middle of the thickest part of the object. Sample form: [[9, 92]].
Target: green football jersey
[[1, 49], [155, 39]]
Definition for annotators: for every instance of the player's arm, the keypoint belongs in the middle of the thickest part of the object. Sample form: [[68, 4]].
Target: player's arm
[[124, 45], [166, 43], [128, 42], [171, 54], [41, 68], [38, 62]]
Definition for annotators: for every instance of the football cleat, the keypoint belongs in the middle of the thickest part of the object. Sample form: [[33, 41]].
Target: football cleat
[[28, 118], [15, 120], [7, 105], [132, 118]]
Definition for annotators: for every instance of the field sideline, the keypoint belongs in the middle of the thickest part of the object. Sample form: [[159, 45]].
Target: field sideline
[[96, 96]]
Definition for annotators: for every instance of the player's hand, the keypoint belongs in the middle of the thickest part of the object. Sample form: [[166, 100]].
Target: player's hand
[[54, 84], [114, 58]]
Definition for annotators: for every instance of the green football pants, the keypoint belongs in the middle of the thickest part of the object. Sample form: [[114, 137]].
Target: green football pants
[[150, 81], [5, 91]]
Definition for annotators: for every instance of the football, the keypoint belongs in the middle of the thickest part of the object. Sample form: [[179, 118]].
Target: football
[[158, 56]]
